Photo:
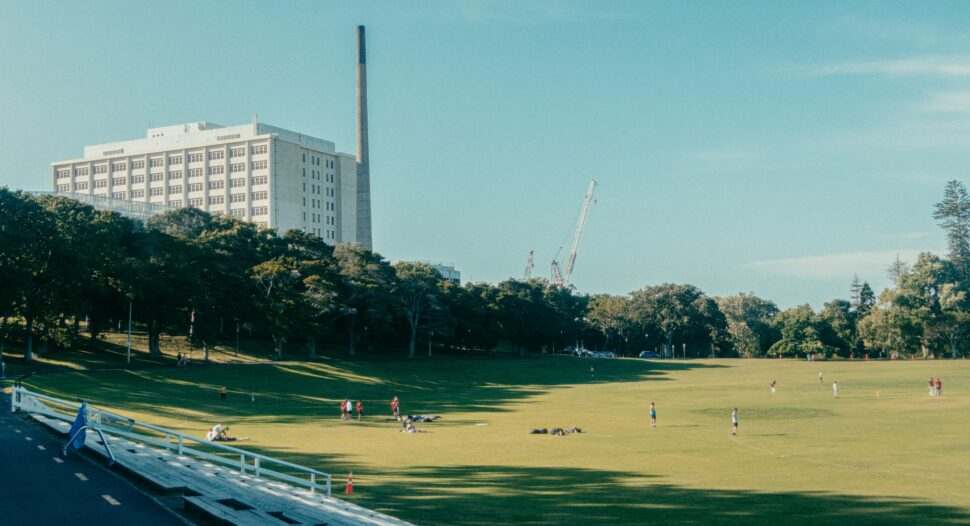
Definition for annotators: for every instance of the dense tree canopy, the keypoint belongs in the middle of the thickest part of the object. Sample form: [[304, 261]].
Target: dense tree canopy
[[67, 269]]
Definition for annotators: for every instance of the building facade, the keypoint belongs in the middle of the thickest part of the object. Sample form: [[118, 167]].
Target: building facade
[[273, 177]]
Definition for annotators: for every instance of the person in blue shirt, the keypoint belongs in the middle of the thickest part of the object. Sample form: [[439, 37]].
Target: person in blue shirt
[[653, 415]]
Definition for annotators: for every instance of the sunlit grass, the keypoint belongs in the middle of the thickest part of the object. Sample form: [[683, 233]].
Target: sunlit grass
[[800, 457]]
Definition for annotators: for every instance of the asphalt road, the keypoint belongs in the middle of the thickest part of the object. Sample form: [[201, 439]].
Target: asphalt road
[[38, 487]]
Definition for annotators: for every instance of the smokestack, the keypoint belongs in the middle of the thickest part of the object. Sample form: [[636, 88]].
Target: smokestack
[[363, 158]]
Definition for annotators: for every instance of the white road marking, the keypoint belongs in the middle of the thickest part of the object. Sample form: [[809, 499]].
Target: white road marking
[[40, 447], [58, 460], [80, 476], [111, 500]]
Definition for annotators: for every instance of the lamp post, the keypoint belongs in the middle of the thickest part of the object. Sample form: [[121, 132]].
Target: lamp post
[[131, 301]]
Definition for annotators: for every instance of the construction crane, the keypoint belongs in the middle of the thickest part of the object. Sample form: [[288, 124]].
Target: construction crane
[[558, 277], [529, 266]]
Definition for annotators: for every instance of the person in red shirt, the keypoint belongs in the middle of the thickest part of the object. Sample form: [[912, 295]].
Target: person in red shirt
[[939, 387], [360, 409], [396, 408]]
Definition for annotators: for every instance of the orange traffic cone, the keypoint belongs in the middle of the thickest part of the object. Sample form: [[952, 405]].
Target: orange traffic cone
[[350, 483]]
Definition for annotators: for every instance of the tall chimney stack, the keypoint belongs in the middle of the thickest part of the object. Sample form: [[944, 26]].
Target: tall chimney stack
[[363, 158]]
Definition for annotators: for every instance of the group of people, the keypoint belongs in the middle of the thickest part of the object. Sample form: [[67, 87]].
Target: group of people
[[347, 409], [936, 387], [181, 360]]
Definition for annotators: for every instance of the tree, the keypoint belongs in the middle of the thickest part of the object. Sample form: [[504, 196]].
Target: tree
[[836, 326], [416, 294], [800, 334], [897, 268], [278, 282], [867, 300], [953, 212], [612, 316], [365, 283], [749, 323], [677, 310]]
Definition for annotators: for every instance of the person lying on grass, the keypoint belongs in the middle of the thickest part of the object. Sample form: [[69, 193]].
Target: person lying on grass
[[423, 418], [220, 433]]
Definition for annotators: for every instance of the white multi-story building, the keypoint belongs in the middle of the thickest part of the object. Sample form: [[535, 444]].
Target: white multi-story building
[[273, 177]]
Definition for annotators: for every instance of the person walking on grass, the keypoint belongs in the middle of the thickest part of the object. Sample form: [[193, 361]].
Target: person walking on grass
[[734, 422], [773, 383], [932, 387], [592, 372], [835, 389], [939, 387], [653, 415], [396, 408], [360, 409], [820, 377], [222, 393]]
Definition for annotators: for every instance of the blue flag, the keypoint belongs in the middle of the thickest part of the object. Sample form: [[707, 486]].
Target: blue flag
[[79, 423]]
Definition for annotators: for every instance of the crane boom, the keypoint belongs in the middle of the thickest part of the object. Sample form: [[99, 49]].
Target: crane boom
[[580, 226], [529, 266]]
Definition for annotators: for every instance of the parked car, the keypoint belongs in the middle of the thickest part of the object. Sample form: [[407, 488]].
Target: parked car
[[649, 354]]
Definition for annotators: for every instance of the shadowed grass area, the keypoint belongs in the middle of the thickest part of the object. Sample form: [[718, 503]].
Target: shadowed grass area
[[801, 456]]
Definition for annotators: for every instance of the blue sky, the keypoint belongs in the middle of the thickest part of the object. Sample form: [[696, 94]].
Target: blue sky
[[770, 147]]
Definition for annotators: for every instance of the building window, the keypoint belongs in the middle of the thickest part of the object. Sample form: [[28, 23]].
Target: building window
[[257, 165], [175, 189], [63, 188], [175, 159], [258, 149], [81, 171], [259, 179], [135, 179], [157, 161], [238, 167], [101, 183], [119, 167], [195, 187], [137, 164], [196, 202], [217, 154], [237, 198], [216, 170], [259, 196], [216, 185], [304, 157], [236, 183], [260, 210], [195, 157], [100, 168], [175, 174], [237, 152], [62, 174], [135, 194], [157, 191], [177, 203], [156, 176], [81, 186], [217, 199], [118, 181], [238, 212], [119, 195], [195, 172]]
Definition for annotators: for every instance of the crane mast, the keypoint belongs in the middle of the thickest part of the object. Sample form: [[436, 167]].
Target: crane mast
[[529, 266], [560, 278]]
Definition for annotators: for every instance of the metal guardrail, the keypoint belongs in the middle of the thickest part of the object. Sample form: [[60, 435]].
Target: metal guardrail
[[248, 462]]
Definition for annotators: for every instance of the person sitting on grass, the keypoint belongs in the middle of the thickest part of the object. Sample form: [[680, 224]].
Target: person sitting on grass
[[218, 433], [410, 428]]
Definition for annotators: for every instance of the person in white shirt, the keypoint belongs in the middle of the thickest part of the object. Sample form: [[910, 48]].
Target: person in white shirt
[[835, 389], [734, 422]]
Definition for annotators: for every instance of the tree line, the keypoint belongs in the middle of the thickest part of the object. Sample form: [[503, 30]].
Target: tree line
[[69, 272]]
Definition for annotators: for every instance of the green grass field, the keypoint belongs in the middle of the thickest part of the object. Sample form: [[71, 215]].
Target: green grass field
[[801, 457]]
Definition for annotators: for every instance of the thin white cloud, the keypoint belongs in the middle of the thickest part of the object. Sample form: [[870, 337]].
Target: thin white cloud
[[929, 65], [947, 102], [867, 265], [528, 12]]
